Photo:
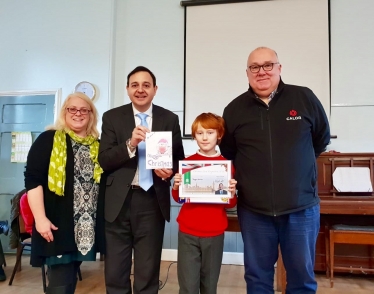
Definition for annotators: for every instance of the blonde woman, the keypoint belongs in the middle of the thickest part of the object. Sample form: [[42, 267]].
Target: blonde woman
[[62, 180]]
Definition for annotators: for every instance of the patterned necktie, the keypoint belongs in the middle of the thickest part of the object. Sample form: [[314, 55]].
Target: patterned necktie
[[145, 175]]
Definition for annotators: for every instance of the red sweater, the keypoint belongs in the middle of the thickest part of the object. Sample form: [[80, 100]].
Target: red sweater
[[203, 219]]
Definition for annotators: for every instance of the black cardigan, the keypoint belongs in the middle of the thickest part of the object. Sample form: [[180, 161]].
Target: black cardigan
[[58, 209]]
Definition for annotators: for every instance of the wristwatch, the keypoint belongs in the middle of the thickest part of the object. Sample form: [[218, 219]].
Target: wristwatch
[[128, 144]]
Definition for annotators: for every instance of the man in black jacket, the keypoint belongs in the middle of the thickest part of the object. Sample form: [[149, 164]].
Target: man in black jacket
[[274, 133]]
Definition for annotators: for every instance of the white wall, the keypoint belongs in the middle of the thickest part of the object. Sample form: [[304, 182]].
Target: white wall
[[50, 45], [151, 33]]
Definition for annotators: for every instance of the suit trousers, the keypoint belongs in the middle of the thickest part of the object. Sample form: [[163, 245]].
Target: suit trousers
[[139, 229], [199, 263]]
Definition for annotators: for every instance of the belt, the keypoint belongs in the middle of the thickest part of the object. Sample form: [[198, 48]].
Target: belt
[[135, 187]]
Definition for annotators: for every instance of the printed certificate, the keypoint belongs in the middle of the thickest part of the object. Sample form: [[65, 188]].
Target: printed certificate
[[205, 181]]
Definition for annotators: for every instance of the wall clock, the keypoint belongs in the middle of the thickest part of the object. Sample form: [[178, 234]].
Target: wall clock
[[86, 88]]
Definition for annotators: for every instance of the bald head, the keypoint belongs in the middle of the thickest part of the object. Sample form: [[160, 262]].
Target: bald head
[[264, 81], [269, 50]]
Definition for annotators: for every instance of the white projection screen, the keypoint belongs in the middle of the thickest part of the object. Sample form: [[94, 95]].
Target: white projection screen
[[219, 38]]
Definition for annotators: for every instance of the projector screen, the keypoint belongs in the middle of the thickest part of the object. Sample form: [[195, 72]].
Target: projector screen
[[219, 38]]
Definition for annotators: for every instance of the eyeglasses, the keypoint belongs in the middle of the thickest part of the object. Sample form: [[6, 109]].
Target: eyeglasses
[[74, 110], [265, 67]]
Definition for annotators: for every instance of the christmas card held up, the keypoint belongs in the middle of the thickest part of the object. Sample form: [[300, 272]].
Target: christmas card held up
[[159, 150]]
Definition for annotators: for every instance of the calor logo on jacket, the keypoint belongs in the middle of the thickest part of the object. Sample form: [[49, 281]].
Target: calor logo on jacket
[[293, 115]]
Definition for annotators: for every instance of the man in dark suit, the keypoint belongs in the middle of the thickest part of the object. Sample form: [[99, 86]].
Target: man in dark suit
[[220, 190], [135, 216]]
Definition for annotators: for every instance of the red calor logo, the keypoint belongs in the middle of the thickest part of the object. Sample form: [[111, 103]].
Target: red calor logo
[[293, 112]]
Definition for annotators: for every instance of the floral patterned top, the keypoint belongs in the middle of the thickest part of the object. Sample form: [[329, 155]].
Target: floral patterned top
[[86, 193]]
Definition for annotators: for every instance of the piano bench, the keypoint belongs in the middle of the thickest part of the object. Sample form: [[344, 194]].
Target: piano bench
[[346, 234]]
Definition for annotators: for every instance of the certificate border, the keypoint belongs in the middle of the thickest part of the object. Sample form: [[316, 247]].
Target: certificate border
[[208, 162]]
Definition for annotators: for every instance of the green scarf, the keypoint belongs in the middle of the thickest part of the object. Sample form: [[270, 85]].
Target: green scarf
[[57, 163]]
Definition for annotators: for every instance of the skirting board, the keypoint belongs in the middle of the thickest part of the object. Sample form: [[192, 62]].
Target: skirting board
[[228, 257]]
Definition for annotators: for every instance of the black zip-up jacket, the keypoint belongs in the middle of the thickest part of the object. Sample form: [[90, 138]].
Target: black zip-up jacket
[[274, 148]]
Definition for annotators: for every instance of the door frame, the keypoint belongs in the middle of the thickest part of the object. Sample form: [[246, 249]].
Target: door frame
[[56, 93]]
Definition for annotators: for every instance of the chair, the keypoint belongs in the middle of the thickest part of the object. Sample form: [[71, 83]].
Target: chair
[[4, 228], [346, 234], [25, 244], [2, 257]]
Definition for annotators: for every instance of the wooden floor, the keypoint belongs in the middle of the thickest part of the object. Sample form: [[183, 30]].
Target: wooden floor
[[29, 281]]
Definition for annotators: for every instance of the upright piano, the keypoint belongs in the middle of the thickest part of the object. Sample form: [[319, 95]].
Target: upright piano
[[336, 208], [355, 208]]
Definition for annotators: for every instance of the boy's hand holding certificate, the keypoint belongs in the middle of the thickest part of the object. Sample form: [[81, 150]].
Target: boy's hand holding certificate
[[159, 150]]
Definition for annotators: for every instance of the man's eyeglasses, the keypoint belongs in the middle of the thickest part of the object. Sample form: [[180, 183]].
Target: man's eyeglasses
[[265, 67], [74, 110]]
